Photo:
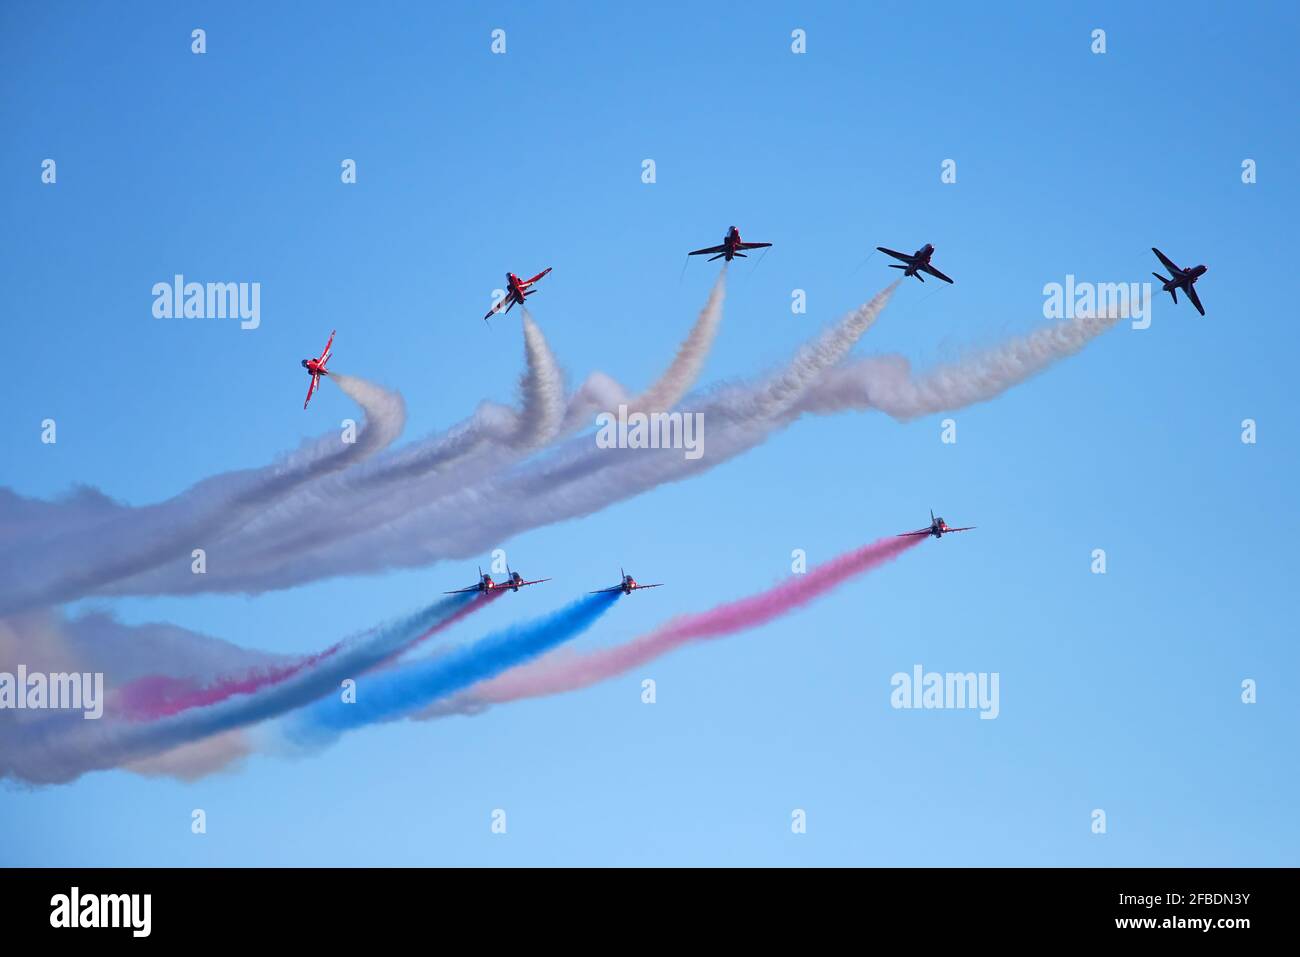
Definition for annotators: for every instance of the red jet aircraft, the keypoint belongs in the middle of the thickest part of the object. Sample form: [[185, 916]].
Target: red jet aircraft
[[919, 260], [626, 586], [938, 528], [516, 292], [486, 584], [1182, 279], [316, 368], [731, 246]]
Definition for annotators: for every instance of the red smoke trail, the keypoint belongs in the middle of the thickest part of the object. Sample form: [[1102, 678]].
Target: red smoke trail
[[157, 696], [571, 672]]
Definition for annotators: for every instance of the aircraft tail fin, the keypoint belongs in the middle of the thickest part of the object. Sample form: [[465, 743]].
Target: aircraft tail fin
[[1165, 283]]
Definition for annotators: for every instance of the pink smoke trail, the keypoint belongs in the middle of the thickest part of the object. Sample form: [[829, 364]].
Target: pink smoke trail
[[157, 696], [571, 672]]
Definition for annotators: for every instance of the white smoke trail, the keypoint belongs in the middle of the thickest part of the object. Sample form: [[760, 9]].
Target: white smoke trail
[[574, 480], [541, 401], [886, 383], [684, 371], [542, 387], [70, 562], [426, 519], [578, 478], [491, 439], [496, 437], [108, 543], [600, 393], [390, 489]]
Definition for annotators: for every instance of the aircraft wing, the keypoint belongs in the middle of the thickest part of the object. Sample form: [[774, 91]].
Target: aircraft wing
[[324, 356], [1196, 300], [657, 585], [919, 531], [966, 529], [529, 282], [752, 245], [535, 581], [1167, 262], [702, 252], [462, 591], [502, 306], [605, 591], [934, 272], [310, 389], [905, 257]]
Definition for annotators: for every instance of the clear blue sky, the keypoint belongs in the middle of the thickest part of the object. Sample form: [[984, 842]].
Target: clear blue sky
[[1118, 692]]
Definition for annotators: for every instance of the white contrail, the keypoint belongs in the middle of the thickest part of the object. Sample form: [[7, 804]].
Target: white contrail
[[600, 393], [495, 437], [427, 518], [541, 402], [574, 480], [887, 384], [106, 543], [76, 560], [542, 410], [492, 438], [577, 478], [684, 371], [387, 490]]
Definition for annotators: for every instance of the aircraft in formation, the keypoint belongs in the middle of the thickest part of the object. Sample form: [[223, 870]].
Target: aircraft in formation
[[731, 247], [626, 586], [517, 290], [316, 368], [938, 528], [514, 582], [917, 263], [1184, 279], [913, 264]]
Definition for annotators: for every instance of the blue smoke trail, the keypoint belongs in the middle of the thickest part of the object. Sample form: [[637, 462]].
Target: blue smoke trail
[[390, 694]]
